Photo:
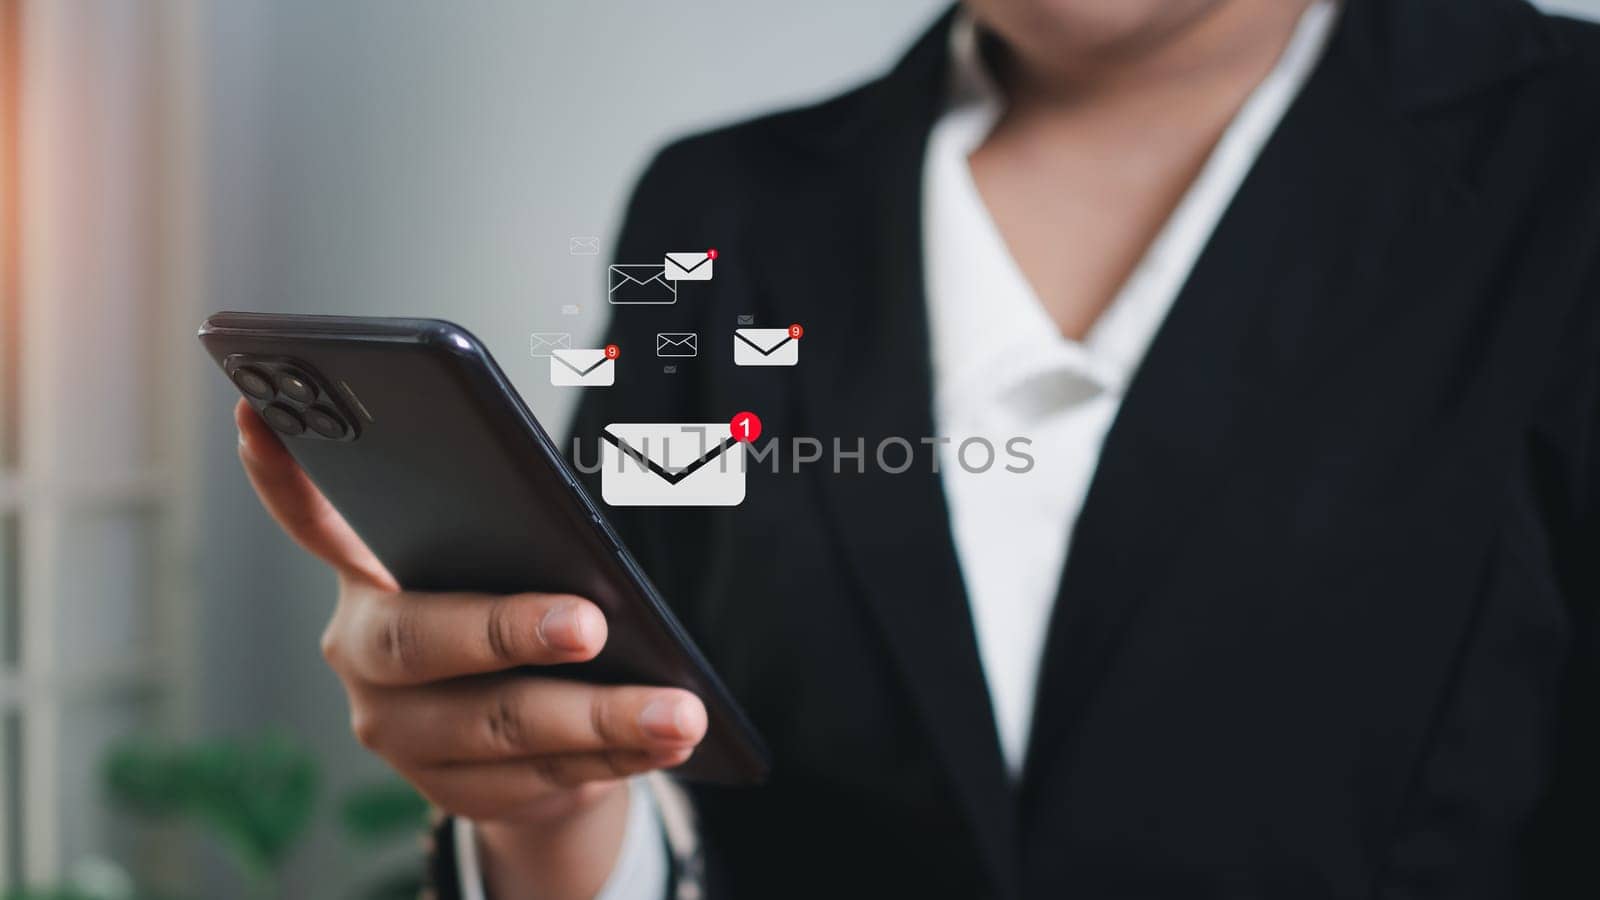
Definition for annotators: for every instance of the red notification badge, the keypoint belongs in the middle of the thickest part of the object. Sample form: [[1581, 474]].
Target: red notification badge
[[746, 426], [712, 253], [613, 351], [796, 332]]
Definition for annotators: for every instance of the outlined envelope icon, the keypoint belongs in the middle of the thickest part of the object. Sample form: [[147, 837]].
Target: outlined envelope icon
[[671, 465], [764, 347], [677, 343], [695, 266], [583, 245], [582, 368], [639, 284], [542, 343], [747, 320]]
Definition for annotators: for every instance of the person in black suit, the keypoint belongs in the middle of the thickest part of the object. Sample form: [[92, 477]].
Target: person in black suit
[[1326, 624]]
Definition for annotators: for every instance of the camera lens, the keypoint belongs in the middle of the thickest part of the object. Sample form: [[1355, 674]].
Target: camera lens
[[296, 387], [283, 419], [325, 423], [252, 382]]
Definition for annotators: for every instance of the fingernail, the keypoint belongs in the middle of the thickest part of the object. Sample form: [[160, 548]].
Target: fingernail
[[663, 718], [563, 628]]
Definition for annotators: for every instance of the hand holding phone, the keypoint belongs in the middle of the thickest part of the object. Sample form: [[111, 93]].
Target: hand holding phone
[[535, 762]]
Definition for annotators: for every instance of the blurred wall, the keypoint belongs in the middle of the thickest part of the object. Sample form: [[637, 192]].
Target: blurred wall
[[428, 158], [1588, 9]]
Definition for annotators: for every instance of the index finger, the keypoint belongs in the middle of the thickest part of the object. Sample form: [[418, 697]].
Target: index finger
[[299, 508]]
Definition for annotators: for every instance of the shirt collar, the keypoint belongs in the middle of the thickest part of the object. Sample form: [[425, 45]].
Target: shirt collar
[[990, 332]]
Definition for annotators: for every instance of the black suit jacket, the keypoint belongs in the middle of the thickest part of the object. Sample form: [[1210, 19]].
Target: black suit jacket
[[1327, 625]]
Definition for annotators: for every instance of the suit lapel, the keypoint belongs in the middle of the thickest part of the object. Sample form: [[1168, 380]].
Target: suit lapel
[[1345, 203], [1346, 209], [875, 383]]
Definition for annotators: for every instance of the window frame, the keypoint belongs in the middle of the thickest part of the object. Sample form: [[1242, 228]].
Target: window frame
[[162, 180]]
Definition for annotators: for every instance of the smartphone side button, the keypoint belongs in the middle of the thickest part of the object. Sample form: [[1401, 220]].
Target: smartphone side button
[[605, 533]]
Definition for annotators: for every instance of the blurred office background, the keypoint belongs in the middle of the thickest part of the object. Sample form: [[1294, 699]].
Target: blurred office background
[[160, 159]]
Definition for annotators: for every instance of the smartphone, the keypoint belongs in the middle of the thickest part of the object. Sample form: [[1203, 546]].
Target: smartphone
[[412, 431]]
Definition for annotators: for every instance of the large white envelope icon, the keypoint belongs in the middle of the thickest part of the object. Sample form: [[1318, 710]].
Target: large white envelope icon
[[543, 342], [582, 368], [694, 266], [671, 465], [764, 347], [639, 284]]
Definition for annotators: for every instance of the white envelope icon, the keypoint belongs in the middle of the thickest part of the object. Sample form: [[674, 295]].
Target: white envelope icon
[[582, 368], [671, 465], [695, 266], [543, 342], [639, 284], [677, 343], [764, 347]]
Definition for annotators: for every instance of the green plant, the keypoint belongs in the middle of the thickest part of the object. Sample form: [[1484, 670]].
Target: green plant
[[381, 813], [378, 813], [257, 797]]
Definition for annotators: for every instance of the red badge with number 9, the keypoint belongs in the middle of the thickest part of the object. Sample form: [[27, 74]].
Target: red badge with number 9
[[746, 426], [612, 351]]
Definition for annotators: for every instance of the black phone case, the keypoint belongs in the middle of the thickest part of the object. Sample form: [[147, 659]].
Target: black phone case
[[455, 486]]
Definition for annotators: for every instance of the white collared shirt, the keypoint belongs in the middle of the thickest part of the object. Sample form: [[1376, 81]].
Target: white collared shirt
[[1002, 369]]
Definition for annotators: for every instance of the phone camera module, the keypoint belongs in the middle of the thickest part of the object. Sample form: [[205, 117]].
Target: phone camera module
[[283, 419], [296, 387], [325, 423], [252, 382]]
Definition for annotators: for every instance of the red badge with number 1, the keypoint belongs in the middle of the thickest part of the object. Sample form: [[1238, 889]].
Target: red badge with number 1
[[746, 426]]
